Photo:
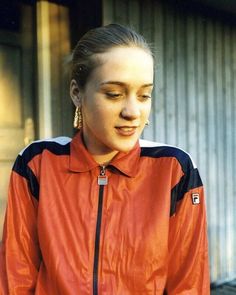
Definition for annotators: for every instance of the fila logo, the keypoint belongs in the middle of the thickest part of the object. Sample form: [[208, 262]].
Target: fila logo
[[196, 199]]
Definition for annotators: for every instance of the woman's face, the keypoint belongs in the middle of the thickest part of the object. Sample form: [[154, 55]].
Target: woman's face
[[116, 101]]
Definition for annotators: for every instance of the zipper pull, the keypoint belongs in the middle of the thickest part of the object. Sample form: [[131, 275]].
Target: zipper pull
[[102, 178]]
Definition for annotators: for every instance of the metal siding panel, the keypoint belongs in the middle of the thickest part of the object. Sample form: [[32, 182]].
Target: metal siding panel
[[158, 95], [228, 148], [134, 14], [211, 146], [191, 87], [152, 40], [234, 143], [181, 80], [121, 11], [220, 159], [108, 12], [201, 97], [169, 78], [146, 30]]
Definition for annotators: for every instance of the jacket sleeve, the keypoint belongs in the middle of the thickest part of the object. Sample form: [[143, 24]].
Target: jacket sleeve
[[188, 271], [19, 251]]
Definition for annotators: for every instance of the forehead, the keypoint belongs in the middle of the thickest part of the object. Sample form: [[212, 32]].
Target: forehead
[[131, 65]]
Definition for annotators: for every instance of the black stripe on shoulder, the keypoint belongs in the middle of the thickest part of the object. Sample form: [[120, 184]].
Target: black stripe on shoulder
[[23, 170], [21, 164], [37, 148], [189, 181], [169, 151]]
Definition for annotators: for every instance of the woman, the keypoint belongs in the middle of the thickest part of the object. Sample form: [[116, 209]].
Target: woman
[[105, 213]]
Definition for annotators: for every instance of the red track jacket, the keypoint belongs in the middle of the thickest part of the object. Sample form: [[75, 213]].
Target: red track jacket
[[137, 226]]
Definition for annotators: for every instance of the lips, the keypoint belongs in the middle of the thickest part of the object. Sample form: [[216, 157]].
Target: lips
[[126, 130]]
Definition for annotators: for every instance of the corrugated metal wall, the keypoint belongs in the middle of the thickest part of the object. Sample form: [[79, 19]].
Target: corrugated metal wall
[[194, 105]]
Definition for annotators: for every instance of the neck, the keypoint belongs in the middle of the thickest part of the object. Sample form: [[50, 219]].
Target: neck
[[101, 154], [104, 159]]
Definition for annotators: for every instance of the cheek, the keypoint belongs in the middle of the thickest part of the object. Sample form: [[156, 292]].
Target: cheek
[[100, 114], [104, 111], [146, 110]]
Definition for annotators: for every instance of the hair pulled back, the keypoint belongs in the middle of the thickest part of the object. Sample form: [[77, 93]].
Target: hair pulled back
[[100, 40]]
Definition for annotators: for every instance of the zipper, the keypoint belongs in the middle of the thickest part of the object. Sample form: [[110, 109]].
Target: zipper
[[102, 181]]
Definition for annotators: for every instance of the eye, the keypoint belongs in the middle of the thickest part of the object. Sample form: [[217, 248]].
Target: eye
[[114, 95], [144, 97]]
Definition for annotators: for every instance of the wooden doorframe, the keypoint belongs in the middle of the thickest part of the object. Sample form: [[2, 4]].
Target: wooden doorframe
[[17, 127]]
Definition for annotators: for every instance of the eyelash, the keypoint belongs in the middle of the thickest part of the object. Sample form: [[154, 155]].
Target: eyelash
[[146, 96], [118, 95], [113, 95]]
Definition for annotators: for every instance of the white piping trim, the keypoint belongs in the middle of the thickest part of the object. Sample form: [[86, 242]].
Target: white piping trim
[[62, 140], [148, 143]]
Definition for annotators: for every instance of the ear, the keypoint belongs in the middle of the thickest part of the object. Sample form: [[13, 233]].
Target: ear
[[75, 93]]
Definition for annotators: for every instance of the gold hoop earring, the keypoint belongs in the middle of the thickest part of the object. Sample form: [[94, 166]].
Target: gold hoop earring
[[147, 122], [78, 123]]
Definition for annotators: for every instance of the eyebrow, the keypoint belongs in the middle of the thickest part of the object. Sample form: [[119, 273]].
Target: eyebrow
[[124, 84]]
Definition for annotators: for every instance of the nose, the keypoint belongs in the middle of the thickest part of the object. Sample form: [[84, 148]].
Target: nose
[[130, 109]]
